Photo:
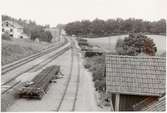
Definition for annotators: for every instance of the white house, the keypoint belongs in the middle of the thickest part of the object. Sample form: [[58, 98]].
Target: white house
[[15, 30]]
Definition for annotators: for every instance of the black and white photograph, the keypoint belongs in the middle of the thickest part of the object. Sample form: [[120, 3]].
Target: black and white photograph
[[83, 55]]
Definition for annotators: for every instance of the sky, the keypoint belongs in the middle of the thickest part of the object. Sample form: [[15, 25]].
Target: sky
[[55, 12]]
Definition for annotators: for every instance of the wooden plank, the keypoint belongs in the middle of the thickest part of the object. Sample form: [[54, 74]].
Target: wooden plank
[[111, 104], [117, 100]]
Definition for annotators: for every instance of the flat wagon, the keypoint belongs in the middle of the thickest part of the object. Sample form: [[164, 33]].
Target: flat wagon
[[38, 86]]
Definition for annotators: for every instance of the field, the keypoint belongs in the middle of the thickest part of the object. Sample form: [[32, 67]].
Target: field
[[109, 43], [18, 48]]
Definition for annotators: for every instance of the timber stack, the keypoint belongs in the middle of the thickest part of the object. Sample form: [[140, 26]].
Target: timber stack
[[38, 86]]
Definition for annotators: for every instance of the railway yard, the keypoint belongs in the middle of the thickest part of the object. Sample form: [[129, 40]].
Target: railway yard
[[58, 56], [72, 90]]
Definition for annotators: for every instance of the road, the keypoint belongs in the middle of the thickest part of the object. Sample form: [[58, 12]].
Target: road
[[86, 94]]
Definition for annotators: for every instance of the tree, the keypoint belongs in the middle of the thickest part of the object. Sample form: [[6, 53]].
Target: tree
[[127, 26], [97, 27], [136, 44], [41, 35], [100, 28], [85, 27]]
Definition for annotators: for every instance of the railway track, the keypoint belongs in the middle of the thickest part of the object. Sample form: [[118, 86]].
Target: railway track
[[34, 68], [77, 87], [69, 84], [11, 87], [72, 80], [15, 65]]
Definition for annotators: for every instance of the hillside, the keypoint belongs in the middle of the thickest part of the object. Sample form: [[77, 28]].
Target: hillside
[[30, 28], [19, 48]]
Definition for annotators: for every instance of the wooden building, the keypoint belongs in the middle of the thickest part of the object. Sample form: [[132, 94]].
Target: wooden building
[[159, 105], [135, 82]]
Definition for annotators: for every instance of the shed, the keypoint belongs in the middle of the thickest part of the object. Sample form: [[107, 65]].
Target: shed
[[131, 79], [149, 104], [159, 105]]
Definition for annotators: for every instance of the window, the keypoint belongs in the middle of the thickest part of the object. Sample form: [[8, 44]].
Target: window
[[7, 24], [3, 30], [11, 35]]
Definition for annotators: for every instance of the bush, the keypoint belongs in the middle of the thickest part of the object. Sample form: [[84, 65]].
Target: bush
[[96, 65], [87, 66], [6, 36], [41, 35], [100, 85], [163, 54]]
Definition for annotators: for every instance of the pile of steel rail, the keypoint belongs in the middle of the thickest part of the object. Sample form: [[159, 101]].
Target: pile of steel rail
[[38, 86]]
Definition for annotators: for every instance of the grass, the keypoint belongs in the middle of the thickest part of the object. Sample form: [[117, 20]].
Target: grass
[[15, 49], [109, 43]]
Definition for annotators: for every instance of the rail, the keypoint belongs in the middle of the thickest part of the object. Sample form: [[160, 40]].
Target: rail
[[65, 92], [37, 67], [23, 61]]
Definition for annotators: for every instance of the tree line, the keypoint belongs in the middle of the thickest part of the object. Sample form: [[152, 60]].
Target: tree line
[[32, 29], [100, 28]]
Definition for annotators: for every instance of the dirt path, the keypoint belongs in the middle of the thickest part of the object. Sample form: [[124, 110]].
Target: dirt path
[[86, 97]]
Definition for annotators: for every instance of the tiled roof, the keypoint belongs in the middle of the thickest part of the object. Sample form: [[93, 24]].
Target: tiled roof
[[14, 24], [135, 75], [159, 105]]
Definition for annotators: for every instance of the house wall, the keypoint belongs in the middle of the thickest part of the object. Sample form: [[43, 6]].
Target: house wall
[[14, 32], [8, 29], [17, 32]]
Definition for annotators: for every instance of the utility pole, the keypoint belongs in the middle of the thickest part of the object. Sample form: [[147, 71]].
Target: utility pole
[[109, 44]]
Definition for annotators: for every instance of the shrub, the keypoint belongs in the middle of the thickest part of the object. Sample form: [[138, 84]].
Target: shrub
[[41, 35], [163, 54], [97, 66], [6, 36], [100, 85]]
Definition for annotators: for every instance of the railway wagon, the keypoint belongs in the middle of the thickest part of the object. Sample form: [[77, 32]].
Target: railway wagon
[[82, 42], [38, 86]]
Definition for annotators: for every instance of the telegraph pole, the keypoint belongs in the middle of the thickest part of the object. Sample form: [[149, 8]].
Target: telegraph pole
[[109, 44], [60, 33]]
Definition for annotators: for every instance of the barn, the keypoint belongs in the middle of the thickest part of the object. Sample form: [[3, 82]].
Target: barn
[[136, 83]]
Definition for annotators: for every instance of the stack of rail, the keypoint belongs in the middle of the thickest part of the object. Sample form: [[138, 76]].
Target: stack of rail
[[38, 86]]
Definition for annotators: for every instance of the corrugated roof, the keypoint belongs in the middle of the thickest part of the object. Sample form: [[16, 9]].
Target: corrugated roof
[[135, 75], [159, 105]]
